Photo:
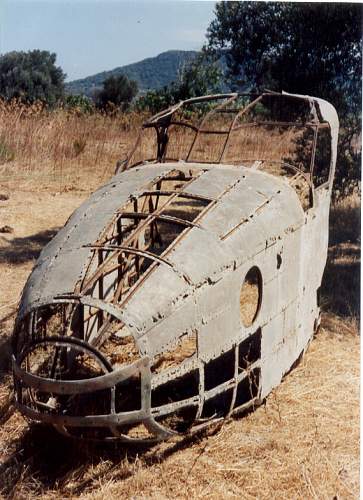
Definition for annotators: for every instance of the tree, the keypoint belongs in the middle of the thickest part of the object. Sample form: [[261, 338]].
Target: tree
[[201, 76], [80, 104], [31, 76], [307, 48], [118, 91]]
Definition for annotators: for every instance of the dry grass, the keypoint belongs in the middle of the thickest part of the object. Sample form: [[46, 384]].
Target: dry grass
[[304, 443], [62, 147]]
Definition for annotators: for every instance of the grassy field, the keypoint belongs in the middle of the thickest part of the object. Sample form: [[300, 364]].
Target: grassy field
[[303, 443]]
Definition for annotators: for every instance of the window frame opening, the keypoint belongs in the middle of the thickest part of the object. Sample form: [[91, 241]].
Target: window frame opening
[[200, 119], [257, 303]]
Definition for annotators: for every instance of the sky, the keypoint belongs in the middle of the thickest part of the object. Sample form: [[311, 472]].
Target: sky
[[90, 36]]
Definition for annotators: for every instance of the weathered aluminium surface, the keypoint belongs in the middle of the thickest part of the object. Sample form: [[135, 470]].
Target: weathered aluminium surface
[[184, 289]]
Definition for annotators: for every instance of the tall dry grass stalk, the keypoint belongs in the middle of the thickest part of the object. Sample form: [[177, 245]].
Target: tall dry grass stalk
[[62, 145]]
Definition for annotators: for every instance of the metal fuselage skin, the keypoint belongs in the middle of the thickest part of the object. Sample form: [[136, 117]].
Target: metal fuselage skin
[[251, 219]]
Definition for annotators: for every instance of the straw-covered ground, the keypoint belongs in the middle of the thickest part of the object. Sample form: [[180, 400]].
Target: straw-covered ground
[[302, 443]]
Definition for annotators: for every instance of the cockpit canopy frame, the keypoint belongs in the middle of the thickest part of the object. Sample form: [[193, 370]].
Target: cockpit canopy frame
[[280, 133]]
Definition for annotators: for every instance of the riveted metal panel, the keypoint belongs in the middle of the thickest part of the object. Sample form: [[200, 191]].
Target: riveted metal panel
[[201, 256], [158, 297], [168, 329], [213, 182], [219, 315]]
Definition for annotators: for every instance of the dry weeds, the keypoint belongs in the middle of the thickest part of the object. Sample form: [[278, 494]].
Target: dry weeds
[[303, 443], [61, 147]]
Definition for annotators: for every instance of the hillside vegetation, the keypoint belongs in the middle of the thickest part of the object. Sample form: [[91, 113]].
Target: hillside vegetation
[[150, 73]]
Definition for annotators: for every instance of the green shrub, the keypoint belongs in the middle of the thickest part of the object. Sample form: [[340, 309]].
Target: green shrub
[[78, 103]]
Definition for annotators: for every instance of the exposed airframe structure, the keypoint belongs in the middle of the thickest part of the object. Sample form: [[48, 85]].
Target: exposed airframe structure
[[183, 290]]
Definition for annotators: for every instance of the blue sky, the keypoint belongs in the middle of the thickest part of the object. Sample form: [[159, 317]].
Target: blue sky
[[89, 36]]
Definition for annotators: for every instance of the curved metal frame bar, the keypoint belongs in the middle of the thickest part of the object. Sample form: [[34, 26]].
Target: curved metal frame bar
[[111, 420], [163, 120]]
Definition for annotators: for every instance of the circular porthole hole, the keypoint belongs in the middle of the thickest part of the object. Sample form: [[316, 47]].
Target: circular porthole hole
[[251, 296]]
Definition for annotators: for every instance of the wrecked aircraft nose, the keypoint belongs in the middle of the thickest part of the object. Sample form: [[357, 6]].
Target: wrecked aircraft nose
[[86, 398], [184, 289], [83, 391]]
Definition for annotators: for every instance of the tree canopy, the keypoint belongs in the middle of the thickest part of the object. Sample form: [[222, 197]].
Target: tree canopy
[[200, 76], [306, 48], [31, 76], [117, 91], [299, 47]]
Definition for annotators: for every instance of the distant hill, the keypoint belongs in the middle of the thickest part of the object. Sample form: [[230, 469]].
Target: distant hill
[[150, 73]]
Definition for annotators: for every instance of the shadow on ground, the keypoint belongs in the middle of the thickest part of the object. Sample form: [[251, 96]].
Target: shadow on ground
[[35, 467], [5, 357], [21, 250], [341, 281]]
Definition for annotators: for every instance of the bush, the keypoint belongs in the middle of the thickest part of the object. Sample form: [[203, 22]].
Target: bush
[[80, 104], [117, 93], [31, 76]]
